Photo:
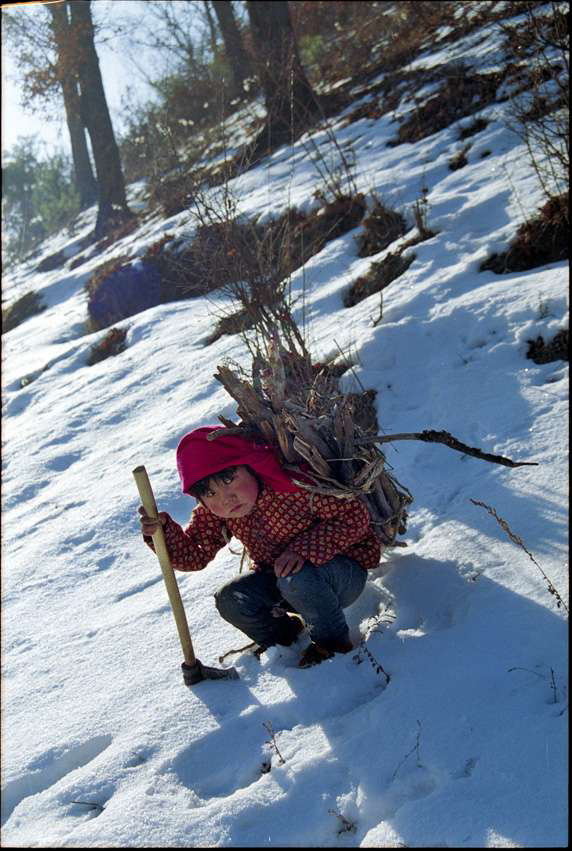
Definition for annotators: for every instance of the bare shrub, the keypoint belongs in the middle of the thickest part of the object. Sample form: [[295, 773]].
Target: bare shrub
[[541, 116], [420, 212], [252, 261]]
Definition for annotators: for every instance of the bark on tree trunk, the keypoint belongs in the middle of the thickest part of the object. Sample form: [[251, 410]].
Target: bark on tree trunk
[[237, 56], [84, 178], [290, 100], [113, 207], [212, 28]]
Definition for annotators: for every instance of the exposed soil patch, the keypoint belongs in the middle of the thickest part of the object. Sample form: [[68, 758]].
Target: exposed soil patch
[[118, 230], [372, 110]]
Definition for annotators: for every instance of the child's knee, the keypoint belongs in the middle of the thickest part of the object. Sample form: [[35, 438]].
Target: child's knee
[[295, 584], [226, 600]]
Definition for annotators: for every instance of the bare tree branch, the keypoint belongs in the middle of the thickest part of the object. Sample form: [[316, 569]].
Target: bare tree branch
[[430, 436]]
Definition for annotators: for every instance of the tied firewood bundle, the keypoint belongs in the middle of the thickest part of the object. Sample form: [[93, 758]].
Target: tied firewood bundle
[[299, 409]]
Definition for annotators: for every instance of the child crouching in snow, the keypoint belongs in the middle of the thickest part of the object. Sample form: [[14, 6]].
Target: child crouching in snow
[[309, 553]]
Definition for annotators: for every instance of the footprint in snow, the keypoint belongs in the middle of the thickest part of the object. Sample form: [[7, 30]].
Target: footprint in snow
[[63, 462], [411, 786], [429, 596], [215, 771], [49, 768], [138, 588]]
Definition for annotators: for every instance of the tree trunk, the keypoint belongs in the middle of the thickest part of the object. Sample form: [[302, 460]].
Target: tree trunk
[[212, 28], [84, 178], [238, 58], [112, 201], [291, 103]]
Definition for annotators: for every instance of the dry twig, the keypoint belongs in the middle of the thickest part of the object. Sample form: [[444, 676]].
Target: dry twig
[[515, 539], [268, 726], [431, 436]]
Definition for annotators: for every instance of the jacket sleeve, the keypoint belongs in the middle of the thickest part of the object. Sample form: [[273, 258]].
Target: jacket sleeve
[[194, 547], [340, 523]]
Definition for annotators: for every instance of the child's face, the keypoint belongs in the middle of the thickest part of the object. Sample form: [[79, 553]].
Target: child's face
[[233, 497]]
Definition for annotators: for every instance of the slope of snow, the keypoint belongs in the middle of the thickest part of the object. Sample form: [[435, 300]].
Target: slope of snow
[[466, 745]]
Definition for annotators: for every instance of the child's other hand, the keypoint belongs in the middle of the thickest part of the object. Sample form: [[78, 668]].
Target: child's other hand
[[288, 563], [149, 525]]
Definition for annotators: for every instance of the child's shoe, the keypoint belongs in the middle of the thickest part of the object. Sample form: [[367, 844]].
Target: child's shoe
[[316, 653], [293, 626], [313, 655], [297, 624]]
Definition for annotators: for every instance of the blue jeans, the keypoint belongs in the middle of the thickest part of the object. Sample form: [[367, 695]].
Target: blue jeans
[[319, 594]]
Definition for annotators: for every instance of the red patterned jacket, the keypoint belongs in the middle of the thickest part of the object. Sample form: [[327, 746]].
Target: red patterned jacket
[[314, 526]]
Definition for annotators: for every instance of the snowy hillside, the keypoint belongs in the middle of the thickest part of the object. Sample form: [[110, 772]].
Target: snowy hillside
[[466, 746]]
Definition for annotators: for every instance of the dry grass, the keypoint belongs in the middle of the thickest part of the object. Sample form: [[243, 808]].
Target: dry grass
[[382, 227], [23, 308], [112, 344], [539, 241], [516, 539], [555, 349], [476, 126], [459, 160], [379, 277], [462, 93]]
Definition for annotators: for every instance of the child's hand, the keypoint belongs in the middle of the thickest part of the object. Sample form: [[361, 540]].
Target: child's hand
[[148, 524], [288, 563]]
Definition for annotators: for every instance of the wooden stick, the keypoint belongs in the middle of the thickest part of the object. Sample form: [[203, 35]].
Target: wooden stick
[[150, 506], [430, 436]]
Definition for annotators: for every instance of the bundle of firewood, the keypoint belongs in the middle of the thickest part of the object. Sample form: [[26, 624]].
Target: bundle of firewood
[[298, 408], [302, 413]]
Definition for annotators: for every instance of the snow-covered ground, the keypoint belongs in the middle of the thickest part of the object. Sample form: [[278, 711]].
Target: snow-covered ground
[[466, 746]]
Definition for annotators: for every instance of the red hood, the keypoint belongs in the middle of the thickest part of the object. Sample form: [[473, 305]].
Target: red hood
[[198, 457]]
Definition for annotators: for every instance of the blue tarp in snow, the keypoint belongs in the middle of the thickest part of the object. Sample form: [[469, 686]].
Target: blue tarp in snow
[[127, 291]]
